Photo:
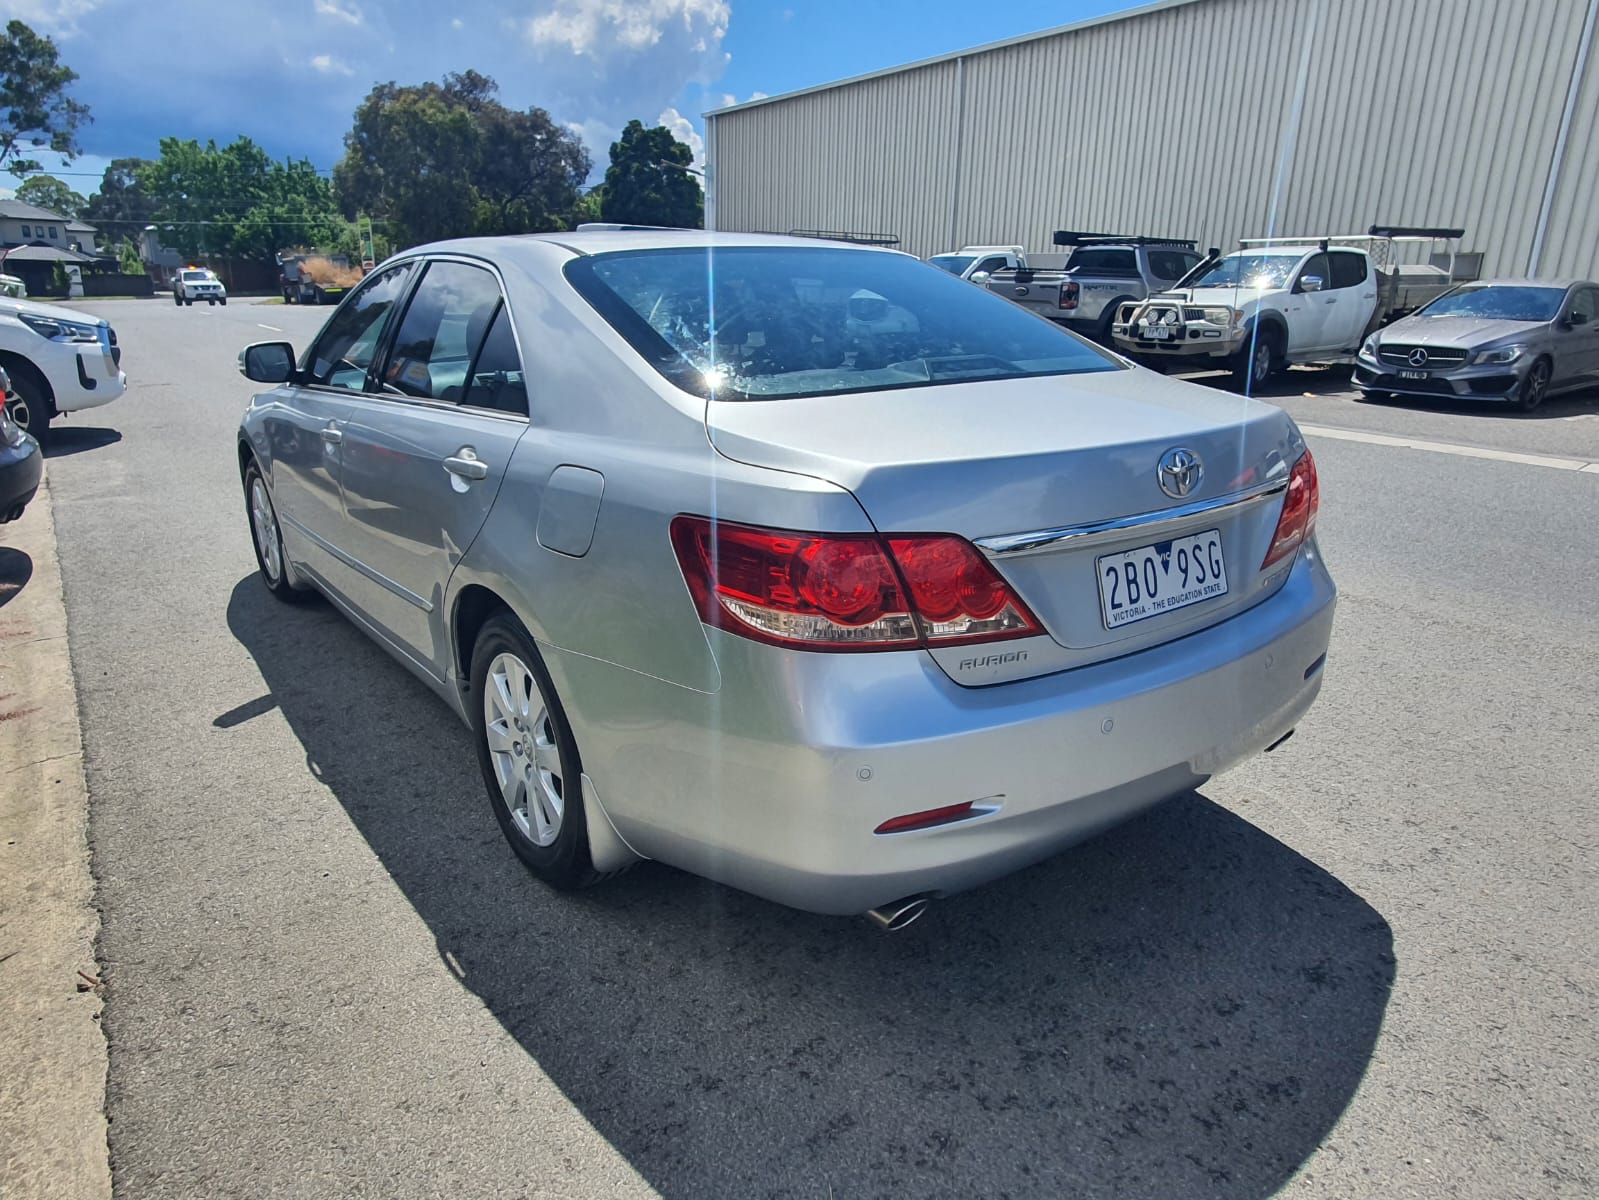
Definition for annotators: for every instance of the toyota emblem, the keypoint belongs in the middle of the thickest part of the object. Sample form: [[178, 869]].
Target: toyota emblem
[[1418, 357], [1179, 472]]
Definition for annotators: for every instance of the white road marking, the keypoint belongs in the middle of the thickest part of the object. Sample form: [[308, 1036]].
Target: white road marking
[[273, 328], [1459, 451]]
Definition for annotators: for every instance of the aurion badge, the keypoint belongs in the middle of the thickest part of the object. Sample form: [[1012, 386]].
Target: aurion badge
[[1179, 472]]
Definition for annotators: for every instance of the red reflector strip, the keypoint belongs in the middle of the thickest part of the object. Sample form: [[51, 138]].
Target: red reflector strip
[[926, 820]]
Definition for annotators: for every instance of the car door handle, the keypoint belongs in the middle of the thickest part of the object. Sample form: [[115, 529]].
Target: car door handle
[[467, 465], [332, 436], [1330, 300]]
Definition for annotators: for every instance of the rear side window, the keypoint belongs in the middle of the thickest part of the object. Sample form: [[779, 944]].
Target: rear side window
[[343, 354], [443, 329], [1122, 263], [497, 378], [767, 322], [1348, 270], [1171, 264]]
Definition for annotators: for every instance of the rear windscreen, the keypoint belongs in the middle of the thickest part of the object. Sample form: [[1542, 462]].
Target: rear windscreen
[[768, 322]]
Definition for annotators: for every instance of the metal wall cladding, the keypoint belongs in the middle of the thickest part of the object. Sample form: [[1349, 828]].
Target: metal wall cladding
[[1212, 120]]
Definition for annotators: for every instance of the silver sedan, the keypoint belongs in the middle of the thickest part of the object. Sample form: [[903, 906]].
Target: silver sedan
[[1513, 340], [805, 567]]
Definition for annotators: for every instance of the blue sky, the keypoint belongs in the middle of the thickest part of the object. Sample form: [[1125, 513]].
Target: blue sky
[[289, 73]]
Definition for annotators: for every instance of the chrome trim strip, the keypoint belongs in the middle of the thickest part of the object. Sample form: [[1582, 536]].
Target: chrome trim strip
[[354, 564], [1048, 539]]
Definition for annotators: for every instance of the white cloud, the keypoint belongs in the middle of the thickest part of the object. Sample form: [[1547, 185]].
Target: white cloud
[[683, 130], [329, 65], [53, 18], [598, 27], [457, 23], [340, 10]]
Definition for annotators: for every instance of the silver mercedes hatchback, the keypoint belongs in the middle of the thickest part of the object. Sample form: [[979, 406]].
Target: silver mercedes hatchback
[[802, 566]]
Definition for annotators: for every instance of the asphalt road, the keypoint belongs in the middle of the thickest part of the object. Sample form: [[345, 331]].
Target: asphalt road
[[1363, 965]]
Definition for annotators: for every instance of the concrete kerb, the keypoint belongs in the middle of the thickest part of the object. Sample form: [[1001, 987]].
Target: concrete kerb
[[53, 1078]]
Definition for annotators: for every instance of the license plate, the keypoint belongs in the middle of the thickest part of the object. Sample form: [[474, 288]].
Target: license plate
[[1157, 333], [1135, 585], [1414, 375]]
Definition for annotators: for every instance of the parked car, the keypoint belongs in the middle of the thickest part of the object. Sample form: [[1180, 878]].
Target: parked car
[[59, 360], [197, 283], [976, 263], [21, 462], [1283, 301], [14, 286], [1513, 340], [1101, 273], [804, 567]]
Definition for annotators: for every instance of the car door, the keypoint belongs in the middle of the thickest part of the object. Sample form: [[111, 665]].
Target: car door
[[1310, 313], [1353, 295], [304, 432], [425, 450], [1577, 340]]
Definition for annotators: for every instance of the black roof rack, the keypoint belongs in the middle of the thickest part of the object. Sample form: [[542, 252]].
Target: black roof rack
[[1421, 231], [1072, 237], [838, 235]]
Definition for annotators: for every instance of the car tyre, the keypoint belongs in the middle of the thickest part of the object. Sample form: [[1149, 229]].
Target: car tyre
[[223, 302], [177, 299], [1535, 387], [528, 756], [1256, 361], [267, 538], [28, 407]]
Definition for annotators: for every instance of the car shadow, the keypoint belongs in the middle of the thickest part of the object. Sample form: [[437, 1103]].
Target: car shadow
[[16, 568], [1336, 382], [75, 439], [1182, 1007]]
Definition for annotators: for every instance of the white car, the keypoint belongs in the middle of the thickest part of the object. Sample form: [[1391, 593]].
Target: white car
[[196, 283], [60, 361]]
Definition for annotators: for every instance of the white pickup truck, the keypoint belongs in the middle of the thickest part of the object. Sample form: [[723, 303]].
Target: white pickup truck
[[1278, 302], [59, 360], [977, 263]]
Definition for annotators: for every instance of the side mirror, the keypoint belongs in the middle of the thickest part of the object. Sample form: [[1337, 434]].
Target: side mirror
[[980, 278], [267, 362], [1576, 318], [1311, 283]]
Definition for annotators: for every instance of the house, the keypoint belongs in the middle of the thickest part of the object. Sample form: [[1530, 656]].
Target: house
[[35, 241]]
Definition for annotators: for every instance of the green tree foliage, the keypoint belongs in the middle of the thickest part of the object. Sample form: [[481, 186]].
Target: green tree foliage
[[448, 159], [639, 190], [120, 209], [590, 206], [128, 258], [237, 201], [46, 191], [35, 110]]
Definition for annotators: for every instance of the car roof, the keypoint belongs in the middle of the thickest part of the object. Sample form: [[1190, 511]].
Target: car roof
[[1509, 281], [603, 241]]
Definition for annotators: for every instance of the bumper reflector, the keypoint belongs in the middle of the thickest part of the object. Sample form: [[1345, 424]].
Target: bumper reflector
[[926, 819]]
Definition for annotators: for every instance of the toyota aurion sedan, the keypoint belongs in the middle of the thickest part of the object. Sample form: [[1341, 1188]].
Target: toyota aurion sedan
[[805, 567], [1518, 341]]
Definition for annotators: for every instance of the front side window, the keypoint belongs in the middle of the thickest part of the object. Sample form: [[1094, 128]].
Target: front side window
[[991, 265], [1171, 264], [342, 355], [767, 322], [444, 326], [1585, 302]]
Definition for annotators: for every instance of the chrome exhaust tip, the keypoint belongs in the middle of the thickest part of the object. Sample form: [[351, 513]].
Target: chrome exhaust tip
[[897, 915]]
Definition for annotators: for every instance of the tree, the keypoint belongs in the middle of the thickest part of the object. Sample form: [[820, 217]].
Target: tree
[[590, 206], [237, 201], [448, 159], [46, 191], [129, 260], [120, 209], [37, 111], [640, 190]]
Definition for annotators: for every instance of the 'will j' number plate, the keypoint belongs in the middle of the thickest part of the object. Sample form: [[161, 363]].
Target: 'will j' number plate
[[1142, 583]]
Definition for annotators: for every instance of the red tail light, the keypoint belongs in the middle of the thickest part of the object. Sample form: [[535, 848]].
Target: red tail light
[[1068, 295], [927, 819], [845, 591], [1298, 520]]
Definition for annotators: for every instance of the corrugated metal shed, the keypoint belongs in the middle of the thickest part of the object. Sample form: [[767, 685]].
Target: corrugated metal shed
[[1210, 119]]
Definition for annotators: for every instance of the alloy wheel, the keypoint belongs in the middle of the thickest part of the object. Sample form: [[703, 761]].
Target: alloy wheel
[[265, 524], [523, 750]]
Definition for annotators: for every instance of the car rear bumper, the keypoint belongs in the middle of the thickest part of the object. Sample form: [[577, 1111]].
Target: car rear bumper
[[21, 468], [776, 783]]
